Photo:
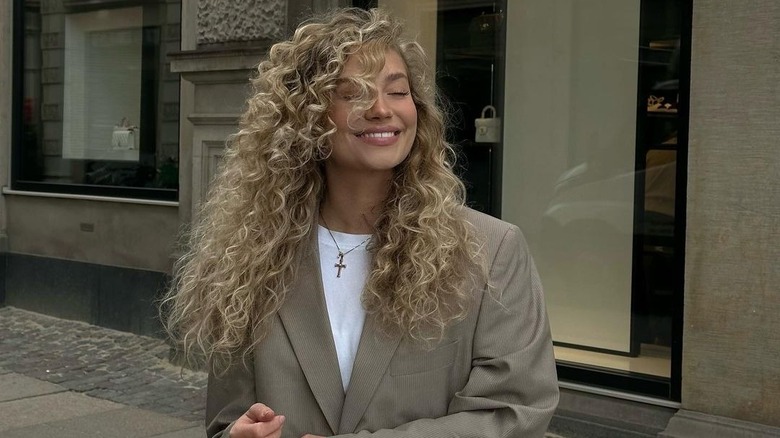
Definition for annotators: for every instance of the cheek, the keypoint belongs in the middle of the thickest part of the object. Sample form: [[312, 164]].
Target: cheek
[[340, 117], [413, 116], [338, 120]]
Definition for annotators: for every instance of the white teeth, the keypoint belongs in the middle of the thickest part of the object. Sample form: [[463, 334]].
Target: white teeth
[[378, 134]]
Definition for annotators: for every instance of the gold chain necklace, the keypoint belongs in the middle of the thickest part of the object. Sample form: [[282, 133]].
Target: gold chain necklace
[[340, 265]]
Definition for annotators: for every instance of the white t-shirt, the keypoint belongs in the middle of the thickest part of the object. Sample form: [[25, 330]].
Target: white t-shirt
[[342, 294]]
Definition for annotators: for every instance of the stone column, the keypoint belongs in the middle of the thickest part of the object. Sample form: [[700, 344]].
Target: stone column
[[6, 76], [731, 350], [222, 42]]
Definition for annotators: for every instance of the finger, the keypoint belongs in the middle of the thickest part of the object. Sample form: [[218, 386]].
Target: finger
[[259, 412], [269, 428], [245, 430], [277, 434]]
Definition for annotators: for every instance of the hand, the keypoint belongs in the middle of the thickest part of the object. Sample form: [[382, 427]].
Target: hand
[[259, 421]]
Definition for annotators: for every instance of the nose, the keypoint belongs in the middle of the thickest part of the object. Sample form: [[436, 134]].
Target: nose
[[379, 110]]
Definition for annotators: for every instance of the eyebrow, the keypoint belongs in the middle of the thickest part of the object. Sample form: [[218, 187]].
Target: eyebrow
[[395, 76], [389, 78]]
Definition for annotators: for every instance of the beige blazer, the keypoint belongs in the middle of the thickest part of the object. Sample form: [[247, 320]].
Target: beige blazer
[[493, 374]]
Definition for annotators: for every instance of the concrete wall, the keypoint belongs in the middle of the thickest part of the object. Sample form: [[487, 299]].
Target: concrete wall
[[189, 39], [105, 233], [732, 278]]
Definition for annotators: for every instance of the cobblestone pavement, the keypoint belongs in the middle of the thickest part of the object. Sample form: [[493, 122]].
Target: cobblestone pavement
[[108, 364]]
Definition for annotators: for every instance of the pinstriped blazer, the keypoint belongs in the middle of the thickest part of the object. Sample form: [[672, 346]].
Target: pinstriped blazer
[[492, 375]]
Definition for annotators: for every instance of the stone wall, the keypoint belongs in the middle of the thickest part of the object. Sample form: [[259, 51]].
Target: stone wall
[[732, 329], [224, 21]]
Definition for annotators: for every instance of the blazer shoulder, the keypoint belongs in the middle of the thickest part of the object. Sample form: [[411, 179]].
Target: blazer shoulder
[[493, 232], [488, 226]]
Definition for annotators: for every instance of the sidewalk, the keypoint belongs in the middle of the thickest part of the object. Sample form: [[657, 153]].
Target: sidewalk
[[68, 379], [65, 379]]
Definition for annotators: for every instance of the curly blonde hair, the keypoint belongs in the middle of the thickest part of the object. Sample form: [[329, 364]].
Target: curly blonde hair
[[241, 257]]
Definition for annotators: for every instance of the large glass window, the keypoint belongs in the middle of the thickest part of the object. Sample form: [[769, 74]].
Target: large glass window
[[590, 174], [589, 97], [98, 109]]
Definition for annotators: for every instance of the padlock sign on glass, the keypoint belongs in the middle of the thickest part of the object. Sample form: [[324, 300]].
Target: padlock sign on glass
[[488, 128]]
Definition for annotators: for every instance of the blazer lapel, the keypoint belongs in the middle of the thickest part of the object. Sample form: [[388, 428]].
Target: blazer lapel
[[305, 318], [371, 362]]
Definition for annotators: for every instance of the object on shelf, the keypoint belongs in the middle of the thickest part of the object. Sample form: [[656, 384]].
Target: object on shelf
[[659, 104], [488, 128], [483, 29], [670, 44], [123, 136]]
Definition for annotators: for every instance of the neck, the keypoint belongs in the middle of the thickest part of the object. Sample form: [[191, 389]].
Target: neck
[[352, 204]]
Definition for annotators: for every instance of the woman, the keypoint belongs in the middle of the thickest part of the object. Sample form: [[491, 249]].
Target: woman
[[336, 283]]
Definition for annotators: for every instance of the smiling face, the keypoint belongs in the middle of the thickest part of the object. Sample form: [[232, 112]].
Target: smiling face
[[379, 138]]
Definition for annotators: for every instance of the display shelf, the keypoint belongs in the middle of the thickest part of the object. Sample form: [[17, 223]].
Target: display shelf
[[662, 111], [470, 54]]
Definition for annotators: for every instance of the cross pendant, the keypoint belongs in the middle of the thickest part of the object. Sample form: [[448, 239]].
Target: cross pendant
[[340, 264]]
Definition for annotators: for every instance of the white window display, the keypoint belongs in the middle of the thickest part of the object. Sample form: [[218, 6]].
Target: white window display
[[569, 160], [102, 88]]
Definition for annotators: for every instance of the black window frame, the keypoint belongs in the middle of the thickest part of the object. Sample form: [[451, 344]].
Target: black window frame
[[17, 126]]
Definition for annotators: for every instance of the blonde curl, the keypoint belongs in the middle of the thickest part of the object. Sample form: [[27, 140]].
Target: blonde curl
[[241, 254]]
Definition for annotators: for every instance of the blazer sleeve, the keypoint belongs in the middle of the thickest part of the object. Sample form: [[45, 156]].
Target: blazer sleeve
[[228, 397], [512, 389]]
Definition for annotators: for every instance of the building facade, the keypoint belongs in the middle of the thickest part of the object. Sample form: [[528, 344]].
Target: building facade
[[634, 142]]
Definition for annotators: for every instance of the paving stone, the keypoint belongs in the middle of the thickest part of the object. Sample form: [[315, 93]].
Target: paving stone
[[195, 432], [125, 423], [52, 407], [15, 386]]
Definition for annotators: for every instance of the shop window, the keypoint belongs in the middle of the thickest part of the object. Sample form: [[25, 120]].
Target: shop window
[[96, 109], [595, 151], [589, 162]]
